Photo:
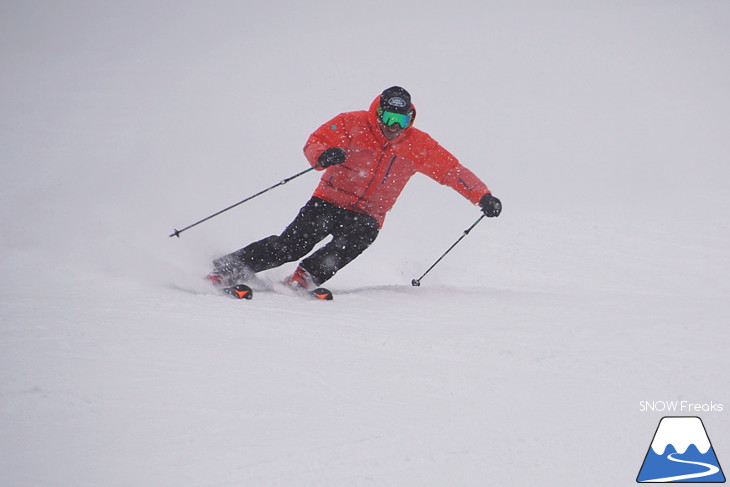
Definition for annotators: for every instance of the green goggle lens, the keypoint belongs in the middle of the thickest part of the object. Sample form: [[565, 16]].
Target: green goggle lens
[[391, 118]]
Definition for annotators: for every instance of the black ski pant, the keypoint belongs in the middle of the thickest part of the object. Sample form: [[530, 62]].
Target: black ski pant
[[351, 233]]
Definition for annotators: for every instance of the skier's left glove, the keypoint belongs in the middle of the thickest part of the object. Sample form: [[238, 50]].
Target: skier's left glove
[[491, 206], [332, 157]]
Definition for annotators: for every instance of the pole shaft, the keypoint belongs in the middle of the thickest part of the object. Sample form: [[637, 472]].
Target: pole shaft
[[464, 234], [177, 233]]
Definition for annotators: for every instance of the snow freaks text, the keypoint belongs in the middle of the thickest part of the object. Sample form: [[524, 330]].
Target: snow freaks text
[[680, 407]]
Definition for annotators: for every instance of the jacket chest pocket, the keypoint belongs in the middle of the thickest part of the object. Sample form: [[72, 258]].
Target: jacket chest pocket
[[396, 170]]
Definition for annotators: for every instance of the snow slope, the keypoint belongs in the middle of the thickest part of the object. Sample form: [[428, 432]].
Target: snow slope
[[521, 359]]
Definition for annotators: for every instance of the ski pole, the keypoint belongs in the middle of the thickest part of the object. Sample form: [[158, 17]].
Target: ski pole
[[417, 282], [177, 232]]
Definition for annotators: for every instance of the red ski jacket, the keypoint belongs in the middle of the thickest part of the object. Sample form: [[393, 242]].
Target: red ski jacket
[[377, 169]]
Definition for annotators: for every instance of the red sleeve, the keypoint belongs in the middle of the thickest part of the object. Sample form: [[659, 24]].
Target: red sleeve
[[331, 134], [445, 169]]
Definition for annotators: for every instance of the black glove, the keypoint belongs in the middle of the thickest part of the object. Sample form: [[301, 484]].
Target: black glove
[[491, 206], [332, 157]]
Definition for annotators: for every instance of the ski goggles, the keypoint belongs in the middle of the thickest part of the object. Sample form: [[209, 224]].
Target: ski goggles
[[391, 118]]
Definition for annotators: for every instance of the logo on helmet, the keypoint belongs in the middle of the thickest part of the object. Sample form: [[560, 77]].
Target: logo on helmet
[[397, 101]]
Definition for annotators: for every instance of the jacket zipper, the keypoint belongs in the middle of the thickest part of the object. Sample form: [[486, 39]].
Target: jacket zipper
[[390, 166]]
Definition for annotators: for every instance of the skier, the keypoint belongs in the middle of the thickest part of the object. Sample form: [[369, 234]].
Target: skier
[[366, 157]]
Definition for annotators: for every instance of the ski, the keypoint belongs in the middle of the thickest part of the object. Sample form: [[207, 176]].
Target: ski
[[322, 293], [239, 291], [242, 291]]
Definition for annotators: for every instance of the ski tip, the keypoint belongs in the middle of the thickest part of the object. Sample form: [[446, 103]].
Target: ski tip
[[322, 293], [239, 291]]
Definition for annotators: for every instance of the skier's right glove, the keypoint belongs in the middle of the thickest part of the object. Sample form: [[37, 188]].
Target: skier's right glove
[[332, 157], [491, 206]]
